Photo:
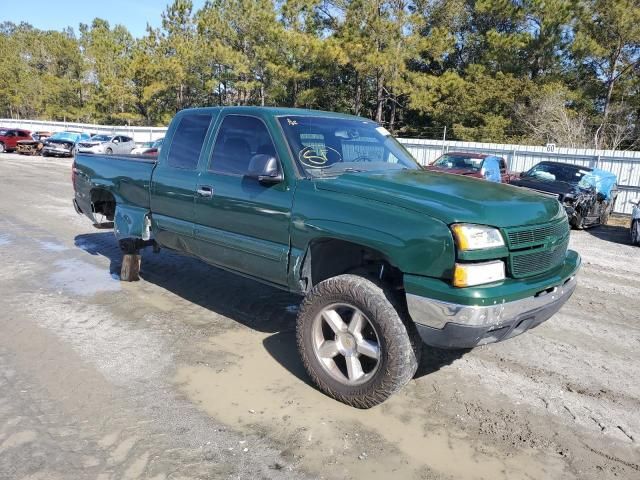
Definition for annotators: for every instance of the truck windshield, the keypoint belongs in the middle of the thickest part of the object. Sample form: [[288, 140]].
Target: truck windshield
[[326, 146]]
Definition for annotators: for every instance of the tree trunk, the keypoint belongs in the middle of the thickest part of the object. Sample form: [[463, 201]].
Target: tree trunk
[[392, 118], [611, 81], [357, 104], [294, 94], [380, 98]]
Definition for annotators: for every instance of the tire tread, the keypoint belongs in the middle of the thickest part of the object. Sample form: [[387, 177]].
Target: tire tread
[[404, 345]]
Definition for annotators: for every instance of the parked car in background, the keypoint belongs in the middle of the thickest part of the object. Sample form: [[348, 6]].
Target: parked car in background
[[10, 137], [63, 143], [141, 147], [34, 145], [154, 149], [587, 194], [634, 228], [489, 167], [107, 144]]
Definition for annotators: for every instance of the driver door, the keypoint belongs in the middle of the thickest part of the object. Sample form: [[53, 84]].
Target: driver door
[[241, 224]]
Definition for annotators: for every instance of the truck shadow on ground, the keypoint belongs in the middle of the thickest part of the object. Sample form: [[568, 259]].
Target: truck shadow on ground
[[251, 303]]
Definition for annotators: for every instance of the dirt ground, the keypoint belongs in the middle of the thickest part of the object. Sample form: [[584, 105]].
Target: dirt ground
[[193, 372]]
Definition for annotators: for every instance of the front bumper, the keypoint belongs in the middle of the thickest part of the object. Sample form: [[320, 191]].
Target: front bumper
[[95, 150], [57, 150], [446, 324]]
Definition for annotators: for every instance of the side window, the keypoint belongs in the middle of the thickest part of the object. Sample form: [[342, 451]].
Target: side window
[[239, 139], [187, 141]]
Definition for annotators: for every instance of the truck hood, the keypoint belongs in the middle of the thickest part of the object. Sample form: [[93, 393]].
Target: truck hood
[[449, 198]]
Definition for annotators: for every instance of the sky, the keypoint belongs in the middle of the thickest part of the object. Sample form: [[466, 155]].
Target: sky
[[48, 15]]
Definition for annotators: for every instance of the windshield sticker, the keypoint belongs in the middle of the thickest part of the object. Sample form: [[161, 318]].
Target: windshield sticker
[[293, 123], [383, 131], [318, 157]]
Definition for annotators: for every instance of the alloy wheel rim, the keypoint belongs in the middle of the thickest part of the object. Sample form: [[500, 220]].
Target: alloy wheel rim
[[346, 344]]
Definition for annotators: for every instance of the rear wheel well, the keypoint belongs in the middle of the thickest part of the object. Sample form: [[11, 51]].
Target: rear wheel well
[[103, 202], [327, 258]]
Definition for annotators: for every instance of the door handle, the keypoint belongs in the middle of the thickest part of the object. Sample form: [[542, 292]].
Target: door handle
[[205, 191]]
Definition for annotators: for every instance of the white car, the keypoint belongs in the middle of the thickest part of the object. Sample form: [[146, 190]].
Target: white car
[[141, 147], [635, 222], [152, 150], [107, 144]]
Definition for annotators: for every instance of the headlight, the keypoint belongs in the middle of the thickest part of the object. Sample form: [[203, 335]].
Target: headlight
[[470, 274], [476, 237]]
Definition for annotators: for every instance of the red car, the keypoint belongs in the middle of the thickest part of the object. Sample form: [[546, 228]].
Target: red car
[[470, 164], [9, 138]]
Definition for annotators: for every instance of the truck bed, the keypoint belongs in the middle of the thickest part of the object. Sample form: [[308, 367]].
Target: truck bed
[[126, 177]]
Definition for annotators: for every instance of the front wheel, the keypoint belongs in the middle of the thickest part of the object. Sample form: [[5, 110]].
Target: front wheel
[[635, 232], [353, 342], [108, 151]]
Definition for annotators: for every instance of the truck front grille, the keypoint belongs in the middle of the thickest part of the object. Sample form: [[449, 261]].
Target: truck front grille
[[535, 250], [522, 237], [533, 262]]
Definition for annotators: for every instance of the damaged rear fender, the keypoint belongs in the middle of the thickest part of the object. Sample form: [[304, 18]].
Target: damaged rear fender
[[132, 222]]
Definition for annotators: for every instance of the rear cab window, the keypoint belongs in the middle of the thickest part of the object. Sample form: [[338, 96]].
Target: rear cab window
[[187, 141]]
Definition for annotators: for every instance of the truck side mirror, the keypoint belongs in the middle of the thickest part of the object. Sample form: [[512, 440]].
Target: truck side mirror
[[521, 174], [265, 169]]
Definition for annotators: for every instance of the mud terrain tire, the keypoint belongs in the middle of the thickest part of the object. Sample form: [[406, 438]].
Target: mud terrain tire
[[399, 342]]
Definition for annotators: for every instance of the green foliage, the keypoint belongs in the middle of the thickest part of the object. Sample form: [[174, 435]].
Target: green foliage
[[487, 70]]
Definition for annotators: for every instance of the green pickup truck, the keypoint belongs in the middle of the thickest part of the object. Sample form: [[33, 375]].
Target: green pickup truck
[[331, 207]]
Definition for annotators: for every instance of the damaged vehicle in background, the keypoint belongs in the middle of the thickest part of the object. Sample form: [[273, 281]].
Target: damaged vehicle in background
[[63, 143], [34, 145], [9, 138], [479, 165], [634, 228], [587, 194]]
